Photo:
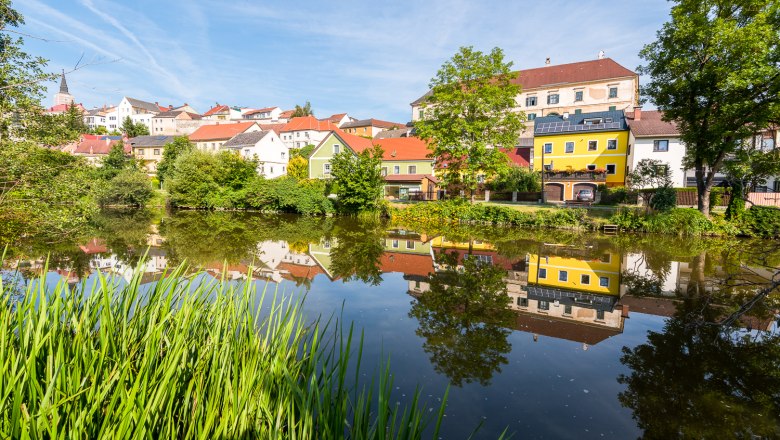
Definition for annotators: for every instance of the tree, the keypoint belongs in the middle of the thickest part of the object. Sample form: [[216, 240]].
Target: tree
[[303, 111], [359, 178], [171, 151], [303, 152], [21, 78], [132, 129], [100, 129], [516, 178], [471, 110], [130, 187], [715, 71], [653, 180], [115, 161], [298, 167]]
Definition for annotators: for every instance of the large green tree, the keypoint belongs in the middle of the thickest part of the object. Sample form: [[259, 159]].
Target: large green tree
[[171, 151], [133, 129], [715, 70], [469, 111], [304, 110], [358, 178]]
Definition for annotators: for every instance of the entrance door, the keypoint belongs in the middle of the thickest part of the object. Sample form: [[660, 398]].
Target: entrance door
[[403, 193]]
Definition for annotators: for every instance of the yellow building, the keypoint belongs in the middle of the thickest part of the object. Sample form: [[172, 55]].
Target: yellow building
[[580, 151], [599, 275]]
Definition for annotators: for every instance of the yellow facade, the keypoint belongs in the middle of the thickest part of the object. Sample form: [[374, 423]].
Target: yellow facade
[[599, 275], [591, 149]]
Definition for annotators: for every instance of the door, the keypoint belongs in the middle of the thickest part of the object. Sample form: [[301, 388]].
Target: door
[[553, 192]]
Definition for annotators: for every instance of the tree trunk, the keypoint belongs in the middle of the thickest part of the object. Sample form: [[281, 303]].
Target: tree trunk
[[704, 188]]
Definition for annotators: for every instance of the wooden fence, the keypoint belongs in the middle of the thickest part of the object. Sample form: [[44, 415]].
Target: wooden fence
[[764, 199]]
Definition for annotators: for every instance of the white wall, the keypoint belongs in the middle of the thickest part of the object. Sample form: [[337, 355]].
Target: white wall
[[302, 138], [272, 154], [642, 148]]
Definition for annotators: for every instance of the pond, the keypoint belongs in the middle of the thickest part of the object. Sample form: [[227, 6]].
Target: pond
[[542, 334]]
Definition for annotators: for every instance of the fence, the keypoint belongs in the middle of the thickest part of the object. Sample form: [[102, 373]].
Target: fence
[[764, 199], [690, 198]]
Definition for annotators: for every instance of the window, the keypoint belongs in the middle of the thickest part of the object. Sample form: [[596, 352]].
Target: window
[[567, 309], [577, 111], [384, 171], [336, 148], [326, 244], [531, 116], [213, 146], [613, 92], [548, 148], [544, 305], [661, 145], [592, 121], [412, 169], [591, 167], [246, 152], [282, 154], [543, 273], [395, 244], [262, 169], [140, 151], [611, 169], [416, 285], [600, 315], [530, 101], [553, 98], [272, 170], [297, 134], [522, 302], [577, 95], [569, 147], [326, 169], [409, 244], [593, 145], [397, 169], [584, 279], [420, 113], [612, 144], [563, 276], [480, 178], [284, 169], [156, 151], [612, 108], [603, 281], [548, 167]]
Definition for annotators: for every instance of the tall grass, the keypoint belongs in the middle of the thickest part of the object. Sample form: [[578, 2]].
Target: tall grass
[[185, 361]]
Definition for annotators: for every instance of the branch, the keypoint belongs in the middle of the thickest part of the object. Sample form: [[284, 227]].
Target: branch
[[77, 67]]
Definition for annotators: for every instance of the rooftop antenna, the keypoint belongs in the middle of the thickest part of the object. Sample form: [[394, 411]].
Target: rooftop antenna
[[547, 61], [602, 55]]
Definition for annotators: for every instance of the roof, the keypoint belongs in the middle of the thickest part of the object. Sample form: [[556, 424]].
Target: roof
[[308, 123], [395, 133], [519, 156], [219, 131], [299, 271], [406, 148], [260, 110], [410, 178], [150, 141], [335, 118], [242, 139], [651, 124], [373, 123], [564, 329], [408, 264], [97, 146], [287, 114], [552, 125], [175, 113], [148, 106], [64, 84], [94, 246], [62, 108], [562, 74], [217, 109]]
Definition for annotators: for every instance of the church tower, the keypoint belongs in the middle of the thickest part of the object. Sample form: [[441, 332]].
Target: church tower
[[63, 96]]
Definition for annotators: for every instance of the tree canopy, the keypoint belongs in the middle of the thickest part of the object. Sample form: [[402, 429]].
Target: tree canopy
[[715, 71], [304, 110], [171, 151], [133, 129], [358, 178], [469, 111]]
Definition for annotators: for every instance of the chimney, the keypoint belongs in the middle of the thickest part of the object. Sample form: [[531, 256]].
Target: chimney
[[602, 55], [638, 113], [547, 61]]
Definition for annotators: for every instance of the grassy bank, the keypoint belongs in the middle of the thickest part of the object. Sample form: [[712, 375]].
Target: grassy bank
[[755, 222], [183, 361]]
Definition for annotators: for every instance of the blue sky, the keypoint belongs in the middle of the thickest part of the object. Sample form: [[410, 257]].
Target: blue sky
[[370, 59]]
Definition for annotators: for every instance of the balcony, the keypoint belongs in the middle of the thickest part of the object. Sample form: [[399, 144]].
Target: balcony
[[590, 176]]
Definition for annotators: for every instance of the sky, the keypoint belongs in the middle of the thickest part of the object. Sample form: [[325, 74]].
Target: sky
[[367, 58]]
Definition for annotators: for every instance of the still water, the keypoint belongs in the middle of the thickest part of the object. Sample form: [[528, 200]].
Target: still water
[[541, 334]]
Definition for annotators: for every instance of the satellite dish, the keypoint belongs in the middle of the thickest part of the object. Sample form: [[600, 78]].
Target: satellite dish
[[601, 55]]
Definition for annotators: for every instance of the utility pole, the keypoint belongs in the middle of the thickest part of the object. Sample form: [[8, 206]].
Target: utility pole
[[544, 198]]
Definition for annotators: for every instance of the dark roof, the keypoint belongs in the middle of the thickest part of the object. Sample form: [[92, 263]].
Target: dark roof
[[150, 141], [562, 74], [371, 122], [149, 106], [64, 84], [242, 139], [175, 113], [650, 124], [395, 133], [551, 125], [560, 328]]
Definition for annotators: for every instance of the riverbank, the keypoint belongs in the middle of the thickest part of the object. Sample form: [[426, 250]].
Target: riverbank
[[754, 222]]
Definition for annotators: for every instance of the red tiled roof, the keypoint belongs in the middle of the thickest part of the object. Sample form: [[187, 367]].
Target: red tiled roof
[[260, 110], [308, 123], [98, 146], [300, 271], [287, 114], [94, 246], [651, 124], [584, 71], [219, 131], [217, 109], [276, 128], [335, 118], [408, 264], [62, 108], [518, 155], [406, 148], [355, 143]]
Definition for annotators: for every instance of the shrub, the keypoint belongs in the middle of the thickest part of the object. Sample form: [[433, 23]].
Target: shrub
[[664, 199], [128, 188], [287, 194], [515, 178], [615, 195], [204, 180], [761, 221]]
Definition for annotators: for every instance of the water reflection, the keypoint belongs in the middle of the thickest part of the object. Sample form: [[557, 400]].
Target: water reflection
[[472, 296]]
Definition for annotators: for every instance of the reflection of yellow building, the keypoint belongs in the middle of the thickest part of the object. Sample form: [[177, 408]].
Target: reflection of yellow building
[[443, 243], [596, 275]]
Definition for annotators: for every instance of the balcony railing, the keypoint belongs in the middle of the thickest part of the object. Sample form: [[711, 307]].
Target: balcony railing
[[594, 176]]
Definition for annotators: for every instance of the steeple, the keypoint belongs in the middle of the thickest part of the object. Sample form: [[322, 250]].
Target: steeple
[[64, 84]]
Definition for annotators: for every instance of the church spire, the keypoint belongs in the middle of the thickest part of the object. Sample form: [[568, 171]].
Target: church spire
[[64, 84]]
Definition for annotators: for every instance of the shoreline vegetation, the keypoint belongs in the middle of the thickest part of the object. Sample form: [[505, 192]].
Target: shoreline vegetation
[[186, 359]]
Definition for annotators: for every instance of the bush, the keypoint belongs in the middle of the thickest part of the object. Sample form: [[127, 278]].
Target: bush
[[679, 221], [516, 178], [128, 188], [204, 180], [761, 221], [664, 199], [287, 194], [616, 195]]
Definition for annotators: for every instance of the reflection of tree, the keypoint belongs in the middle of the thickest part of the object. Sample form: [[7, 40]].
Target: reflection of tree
[[126, 233], [463, 318], [357, 251], [696, 379]]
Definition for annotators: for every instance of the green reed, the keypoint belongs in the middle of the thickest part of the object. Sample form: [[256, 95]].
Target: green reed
[[186, 361]]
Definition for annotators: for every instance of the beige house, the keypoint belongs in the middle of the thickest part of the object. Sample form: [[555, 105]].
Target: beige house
[[176, 123], [148, 150], [213, 137], [584, 87], [369, 127]]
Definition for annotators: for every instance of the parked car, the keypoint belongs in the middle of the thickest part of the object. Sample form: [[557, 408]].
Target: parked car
[[585, 195]]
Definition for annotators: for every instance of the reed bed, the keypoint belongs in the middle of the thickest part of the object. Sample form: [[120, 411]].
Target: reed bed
[[180, 360]]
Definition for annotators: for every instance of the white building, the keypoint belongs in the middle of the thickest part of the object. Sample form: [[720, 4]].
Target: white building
[[137, 110], [264, 145], [652, 138], [213, 137], [268, 115], [176, 123], [305, 130]]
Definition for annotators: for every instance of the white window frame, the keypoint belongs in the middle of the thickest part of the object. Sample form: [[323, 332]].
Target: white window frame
[[563, 276], [606, 167], [542, 273], [336, 148], [597, 145], [411, 169], [396, 169], [616, 144], [566, 147], [609, 92], [603, 281], [326, 168], [545, 147], [582, 95], [657, 142], [583, 279], [550, 98]]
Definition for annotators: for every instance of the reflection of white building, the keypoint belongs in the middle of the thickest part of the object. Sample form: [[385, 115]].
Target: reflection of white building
[[637, 264]]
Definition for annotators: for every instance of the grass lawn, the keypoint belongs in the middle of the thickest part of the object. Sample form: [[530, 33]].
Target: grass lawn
[[158, 200]]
